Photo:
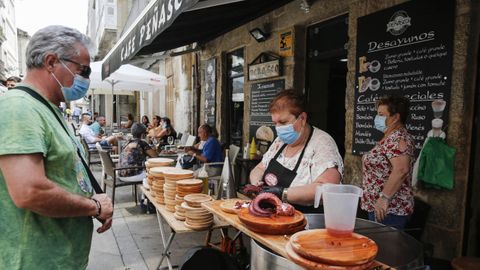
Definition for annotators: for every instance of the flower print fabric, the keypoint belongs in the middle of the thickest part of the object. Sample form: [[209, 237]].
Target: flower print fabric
[[134, 153], [377, 169]]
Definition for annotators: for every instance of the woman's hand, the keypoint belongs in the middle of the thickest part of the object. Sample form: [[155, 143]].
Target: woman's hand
[[381, 207]]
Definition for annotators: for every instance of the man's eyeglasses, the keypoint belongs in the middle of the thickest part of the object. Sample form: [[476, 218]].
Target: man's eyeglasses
[[85, 71]]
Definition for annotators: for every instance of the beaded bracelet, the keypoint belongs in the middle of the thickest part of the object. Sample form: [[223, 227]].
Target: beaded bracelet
[[99, 207]]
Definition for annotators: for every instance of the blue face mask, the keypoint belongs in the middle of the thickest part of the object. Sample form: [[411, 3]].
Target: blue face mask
[[78, 89], [380, 124], [287, 133]]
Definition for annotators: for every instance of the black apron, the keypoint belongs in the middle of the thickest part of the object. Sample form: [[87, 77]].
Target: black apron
[[285, 176]]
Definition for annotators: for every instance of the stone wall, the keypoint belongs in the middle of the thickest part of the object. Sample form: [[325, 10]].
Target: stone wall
[[445, 224]]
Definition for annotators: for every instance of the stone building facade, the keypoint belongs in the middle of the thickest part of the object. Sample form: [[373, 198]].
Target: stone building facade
[[446, 222]]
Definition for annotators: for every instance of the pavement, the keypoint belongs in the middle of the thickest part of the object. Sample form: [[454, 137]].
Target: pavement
[[134, 241]]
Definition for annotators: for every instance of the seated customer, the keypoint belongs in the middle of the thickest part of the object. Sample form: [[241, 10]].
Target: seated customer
[[145, 121], [134, 153], [87, 134], [211, 151], [129, 122], [97, 126], [166, 132], [154, 128]]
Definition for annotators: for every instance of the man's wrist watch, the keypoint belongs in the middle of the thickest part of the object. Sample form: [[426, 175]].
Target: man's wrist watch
[[284, 194], [384, 196]]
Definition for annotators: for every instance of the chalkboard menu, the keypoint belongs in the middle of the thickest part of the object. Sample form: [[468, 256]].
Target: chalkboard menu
[[404, 50], [261, 95], [210, 87]]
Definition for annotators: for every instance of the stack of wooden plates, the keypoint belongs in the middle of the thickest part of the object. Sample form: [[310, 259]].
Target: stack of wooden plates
[[317, 249], [185, 187], [197, 218], [179, 211], [189, 186], [170, 187], [158, 181], [154, 163]]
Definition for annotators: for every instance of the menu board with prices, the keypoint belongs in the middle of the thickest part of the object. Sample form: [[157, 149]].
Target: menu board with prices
[[261, 95], [406, 51]]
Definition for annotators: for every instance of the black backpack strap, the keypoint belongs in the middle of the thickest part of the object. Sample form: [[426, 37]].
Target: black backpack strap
[[38, 97]]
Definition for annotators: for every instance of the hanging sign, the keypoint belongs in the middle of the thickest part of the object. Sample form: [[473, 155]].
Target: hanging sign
[[210, 88], [264, 66]]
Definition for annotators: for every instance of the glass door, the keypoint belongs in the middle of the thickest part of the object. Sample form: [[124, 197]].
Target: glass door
[[234, 106]]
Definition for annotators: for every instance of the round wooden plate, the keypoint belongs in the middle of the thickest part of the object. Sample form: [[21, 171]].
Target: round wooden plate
[[178, 216], [176, 173], [273, 224], [311, 265], [196, 199], [188, 208], [320, 246], [189, 182], [159, 161], [228, 206], [197, 228]]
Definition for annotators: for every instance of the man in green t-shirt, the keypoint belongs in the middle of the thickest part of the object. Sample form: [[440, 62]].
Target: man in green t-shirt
[[46, 197]]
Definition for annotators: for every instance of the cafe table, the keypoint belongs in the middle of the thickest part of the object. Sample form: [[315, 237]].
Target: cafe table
[[176, 227], [396, 249]]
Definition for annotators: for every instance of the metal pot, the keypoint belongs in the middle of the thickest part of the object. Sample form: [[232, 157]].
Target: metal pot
[[262, 258]]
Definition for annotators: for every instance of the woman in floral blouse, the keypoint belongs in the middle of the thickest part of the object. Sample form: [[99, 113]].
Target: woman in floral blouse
[[387, 168], [134, 153]]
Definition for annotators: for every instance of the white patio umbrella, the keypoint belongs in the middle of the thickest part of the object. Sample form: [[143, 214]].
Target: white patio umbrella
[[126, 78]]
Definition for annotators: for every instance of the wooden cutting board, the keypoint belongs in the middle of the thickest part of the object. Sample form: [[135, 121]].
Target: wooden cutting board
[[312, 265], [320, 246], [273, 224]]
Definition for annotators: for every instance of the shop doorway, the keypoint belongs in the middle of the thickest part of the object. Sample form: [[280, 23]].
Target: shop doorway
[[235, 97], [326, 77], [471, 242]]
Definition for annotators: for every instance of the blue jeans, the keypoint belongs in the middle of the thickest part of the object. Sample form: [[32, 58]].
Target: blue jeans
[[391, 220]]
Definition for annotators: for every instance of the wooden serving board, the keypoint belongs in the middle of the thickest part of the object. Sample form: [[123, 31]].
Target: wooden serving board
[[276, 243], [311, 265], [228, 206], [273, 224], [320, 246]]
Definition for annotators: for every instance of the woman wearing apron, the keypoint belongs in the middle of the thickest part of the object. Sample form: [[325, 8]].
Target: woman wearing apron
[[300, 158]]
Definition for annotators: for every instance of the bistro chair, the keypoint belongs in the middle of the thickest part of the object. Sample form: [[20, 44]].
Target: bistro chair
[[75, 130], [111, 179], [214, 169], [190, 140], [89, 151]]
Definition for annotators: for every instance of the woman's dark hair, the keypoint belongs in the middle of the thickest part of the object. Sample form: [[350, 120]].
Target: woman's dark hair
[[158, 118], [130, 116], [207, 128], [170, 129], [167, 120], [290, 100], [396, 104], [145, 117], [138, 130]]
